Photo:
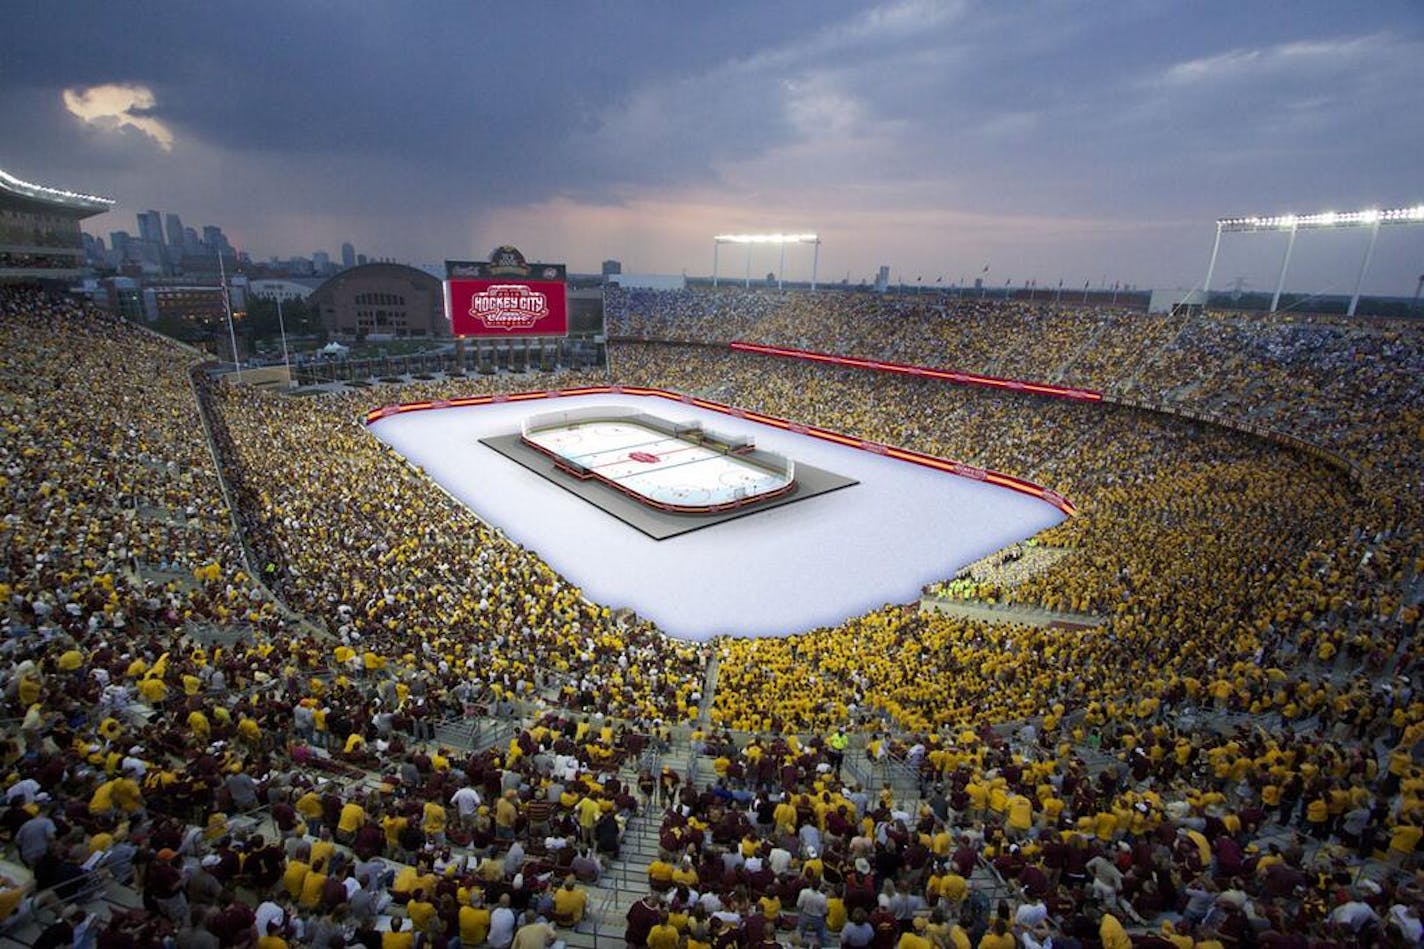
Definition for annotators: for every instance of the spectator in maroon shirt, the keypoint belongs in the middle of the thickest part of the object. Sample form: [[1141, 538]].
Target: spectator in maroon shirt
[[642, 917], [232, 923]]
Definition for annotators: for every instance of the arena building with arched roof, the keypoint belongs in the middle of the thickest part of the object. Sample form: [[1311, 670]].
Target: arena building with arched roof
[[382, 300]]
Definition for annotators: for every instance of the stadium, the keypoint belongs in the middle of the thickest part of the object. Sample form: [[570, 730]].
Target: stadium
[[1249, 656], [720, 616]]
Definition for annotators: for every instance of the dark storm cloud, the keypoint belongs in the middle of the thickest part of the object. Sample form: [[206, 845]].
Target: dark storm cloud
[[1039, 134], [465, 90]]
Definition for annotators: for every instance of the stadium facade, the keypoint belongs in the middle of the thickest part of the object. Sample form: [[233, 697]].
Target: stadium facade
[[382, 300], [39, 230]]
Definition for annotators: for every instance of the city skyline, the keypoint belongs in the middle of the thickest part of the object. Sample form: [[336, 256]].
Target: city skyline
[[161, 230], [1046, 141]]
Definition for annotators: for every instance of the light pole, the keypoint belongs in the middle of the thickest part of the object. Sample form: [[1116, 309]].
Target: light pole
[[1285, 263], [1211, 267], [1364, 266], [782, 239], [1372, 218]]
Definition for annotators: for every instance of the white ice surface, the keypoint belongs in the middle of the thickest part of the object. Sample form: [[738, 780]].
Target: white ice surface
[[672, 470], [810, 563]]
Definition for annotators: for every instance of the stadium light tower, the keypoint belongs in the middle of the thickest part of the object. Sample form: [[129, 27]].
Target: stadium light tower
[[1294, 223], [779, 239]]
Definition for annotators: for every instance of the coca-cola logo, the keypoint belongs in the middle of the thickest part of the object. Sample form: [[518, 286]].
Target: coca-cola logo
[[509, 307], [645, 457], [798, 428]]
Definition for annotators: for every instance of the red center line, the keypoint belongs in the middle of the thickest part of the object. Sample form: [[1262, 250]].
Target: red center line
[[662, 455]]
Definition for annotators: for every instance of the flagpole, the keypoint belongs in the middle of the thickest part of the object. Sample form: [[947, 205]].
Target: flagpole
[[282, 325], [227, 305]]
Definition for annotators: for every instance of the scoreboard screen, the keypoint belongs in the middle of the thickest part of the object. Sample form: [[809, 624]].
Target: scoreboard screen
[[507, 306], [506, 296]]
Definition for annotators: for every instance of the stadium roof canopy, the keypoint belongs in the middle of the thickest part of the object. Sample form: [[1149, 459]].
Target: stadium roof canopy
[[54, 200]]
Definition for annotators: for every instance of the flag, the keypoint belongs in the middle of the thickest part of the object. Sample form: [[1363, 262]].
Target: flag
[[986, 269]]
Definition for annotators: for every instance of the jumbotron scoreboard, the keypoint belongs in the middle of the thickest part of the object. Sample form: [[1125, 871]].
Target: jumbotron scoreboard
[[506, 297]]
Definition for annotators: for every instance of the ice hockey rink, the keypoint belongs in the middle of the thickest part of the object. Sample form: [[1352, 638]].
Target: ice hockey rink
[[775, 572], [655, 465]]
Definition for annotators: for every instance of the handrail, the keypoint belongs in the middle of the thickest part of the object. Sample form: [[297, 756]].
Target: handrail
[[244, 547], [233, 521]]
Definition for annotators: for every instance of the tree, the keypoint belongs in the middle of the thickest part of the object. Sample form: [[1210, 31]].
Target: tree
[[298, 316]]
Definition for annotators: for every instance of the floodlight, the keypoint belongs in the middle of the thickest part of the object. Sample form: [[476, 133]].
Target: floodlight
[[1370, 217], [30, 189], [1287, 222], [767, 238], [778, 239]]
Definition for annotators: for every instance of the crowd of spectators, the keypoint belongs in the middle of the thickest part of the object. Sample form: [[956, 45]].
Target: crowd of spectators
[[148, 745], [1187, 838], [1344, 383], [1232, 577], [351, 535], [1250, 548]]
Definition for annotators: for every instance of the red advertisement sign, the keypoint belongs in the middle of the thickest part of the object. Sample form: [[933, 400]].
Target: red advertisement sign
[[507, 307]]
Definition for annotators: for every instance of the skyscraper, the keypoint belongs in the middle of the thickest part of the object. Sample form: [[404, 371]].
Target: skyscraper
[[216, 239], [348, 255], [150, 227], [119, 244], [174, 228]]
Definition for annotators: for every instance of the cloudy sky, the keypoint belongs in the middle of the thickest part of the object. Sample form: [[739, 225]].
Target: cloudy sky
[[1074, 140]]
